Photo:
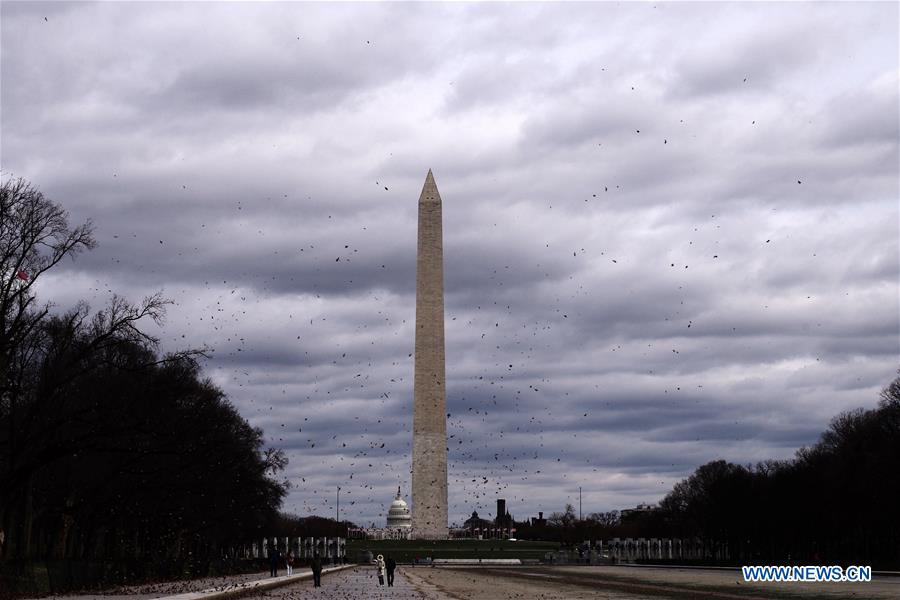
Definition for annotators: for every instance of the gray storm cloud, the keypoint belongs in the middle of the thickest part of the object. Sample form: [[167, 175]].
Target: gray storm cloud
[[670, 231]]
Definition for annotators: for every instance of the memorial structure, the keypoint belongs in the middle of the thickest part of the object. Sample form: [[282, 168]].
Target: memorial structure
[[429, 461]]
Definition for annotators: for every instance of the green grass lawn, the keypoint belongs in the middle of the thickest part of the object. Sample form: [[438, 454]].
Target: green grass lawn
[[404, 551]]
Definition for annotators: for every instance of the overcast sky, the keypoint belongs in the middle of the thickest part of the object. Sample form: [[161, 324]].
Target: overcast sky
[[670, 230]]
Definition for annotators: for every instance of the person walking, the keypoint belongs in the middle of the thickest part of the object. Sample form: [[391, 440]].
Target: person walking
[[390, 565], [379, 567], [289, 562], [273, 560], [316, 566]]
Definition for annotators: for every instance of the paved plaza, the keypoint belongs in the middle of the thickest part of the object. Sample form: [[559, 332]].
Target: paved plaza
[[521, 583], [360, 582]]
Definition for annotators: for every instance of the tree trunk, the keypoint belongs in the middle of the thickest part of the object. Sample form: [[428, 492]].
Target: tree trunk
[[27, 518]]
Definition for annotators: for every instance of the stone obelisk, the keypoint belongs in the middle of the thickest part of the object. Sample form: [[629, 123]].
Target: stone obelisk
[[429, 464]]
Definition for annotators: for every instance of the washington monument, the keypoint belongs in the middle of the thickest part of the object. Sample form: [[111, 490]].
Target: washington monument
[[429, 463]]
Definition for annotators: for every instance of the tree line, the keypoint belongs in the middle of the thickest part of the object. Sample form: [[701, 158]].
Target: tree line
[[835, 502], [114, 457]]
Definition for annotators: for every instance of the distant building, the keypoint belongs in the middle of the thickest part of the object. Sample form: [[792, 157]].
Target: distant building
[[398, 514], [539, 521], [501, 527], [640, 509], [503, 519], [398, 524], [476, 524]]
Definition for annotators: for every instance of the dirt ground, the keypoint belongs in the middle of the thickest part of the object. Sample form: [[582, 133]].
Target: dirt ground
[[459, 584], [627, 583]]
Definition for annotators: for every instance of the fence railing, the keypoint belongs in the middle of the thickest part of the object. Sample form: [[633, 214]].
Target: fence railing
[[625, 550], [301, 547]]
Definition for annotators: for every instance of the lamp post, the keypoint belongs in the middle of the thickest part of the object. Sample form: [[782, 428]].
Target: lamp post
[[337, 512]]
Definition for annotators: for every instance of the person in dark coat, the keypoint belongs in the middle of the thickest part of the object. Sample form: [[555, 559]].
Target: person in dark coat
[[274, 557], [390, 565], [316, 566]]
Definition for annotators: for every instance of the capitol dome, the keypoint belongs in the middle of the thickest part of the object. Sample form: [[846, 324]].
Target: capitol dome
[[398, 515]]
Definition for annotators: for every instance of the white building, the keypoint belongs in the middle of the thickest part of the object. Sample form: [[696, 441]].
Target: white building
[[399, 516], [399, 522]]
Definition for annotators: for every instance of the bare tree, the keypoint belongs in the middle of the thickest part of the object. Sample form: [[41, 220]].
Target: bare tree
[[34, 237], [564, 519], [605, 519], [102, 440]]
